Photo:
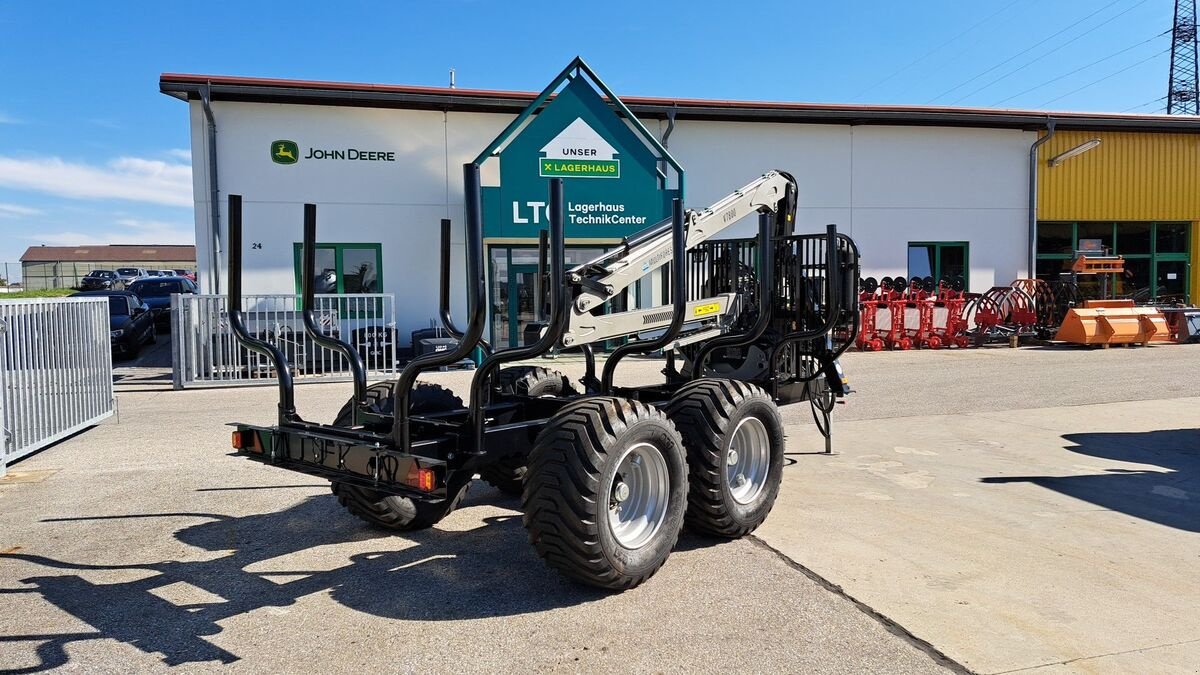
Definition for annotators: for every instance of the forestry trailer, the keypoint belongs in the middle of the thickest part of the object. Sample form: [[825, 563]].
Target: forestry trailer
[[607, 474]]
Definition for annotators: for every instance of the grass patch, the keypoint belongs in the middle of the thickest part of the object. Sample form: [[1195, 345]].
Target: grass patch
[[40, 293]]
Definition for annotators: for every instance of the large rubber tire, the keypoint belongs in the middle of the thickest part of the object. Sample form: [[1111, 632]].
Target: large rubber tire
[[709, 413], [508, 474], [390, 512], [571, 491]]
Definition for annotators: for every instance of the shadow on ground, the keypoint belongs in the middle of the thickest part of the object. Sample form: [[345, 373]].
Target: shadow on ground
[[432, 575], [1168, 495]]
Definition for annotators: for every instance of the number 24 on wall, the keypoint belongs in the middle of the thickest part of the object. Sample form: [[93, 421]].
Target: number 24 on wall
[[256, 246]]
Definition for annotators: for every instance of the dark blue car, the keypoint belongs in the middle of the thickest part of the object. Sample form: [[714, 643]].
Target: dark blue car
[[130, 324], [156, 293]]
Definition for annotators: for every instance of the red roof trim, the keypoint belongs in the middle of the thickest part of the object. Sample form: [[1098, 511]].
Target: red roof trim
[[227, 80]]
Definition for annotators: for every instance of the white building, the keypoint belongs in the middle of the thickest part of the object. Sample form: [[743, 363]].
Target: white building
[[923, 191]]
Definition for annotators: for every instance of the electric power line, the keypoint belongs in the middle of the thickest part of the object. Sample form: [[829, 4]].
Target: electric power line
[[1059, 47], [1093, 63], [1110, 75], [1158, 100], [933, 51], [1022, 53]]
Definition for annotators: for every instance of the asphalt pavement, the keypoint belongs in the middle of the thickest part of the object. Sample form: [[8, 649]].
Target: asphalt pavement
[[143, 544]]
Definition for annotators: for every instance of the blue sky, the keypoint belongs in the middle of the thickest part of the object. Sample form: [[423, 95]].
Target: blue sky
[[90, 152]]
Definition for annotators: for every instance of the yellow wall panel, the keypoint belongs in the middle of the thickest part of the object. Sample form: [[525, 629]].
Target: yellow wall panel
[[1130, 176]]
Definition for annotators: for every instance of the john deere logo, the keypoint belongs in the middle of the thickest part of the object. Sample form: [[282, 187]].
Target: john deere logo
[[285, 152]]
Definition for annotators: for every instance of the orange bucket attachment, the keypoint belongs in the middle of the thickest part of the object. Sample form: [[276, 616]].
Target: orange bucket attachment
[[1098, 265], [1113, 322]]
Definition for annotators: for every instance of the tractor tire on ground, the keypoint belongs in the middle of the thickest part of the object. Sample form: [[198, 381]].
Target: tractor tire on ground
[[390, 512], [606, 491], [734, 439], [508, 474]]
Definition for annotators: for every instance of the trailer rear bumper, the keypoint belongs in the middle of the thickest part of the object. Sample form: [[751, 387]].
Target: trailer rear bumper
[[353, 458]]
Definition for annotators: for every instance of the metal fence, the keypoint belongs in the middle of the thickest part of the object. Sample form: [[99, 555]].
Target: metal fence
[[55, 371], [205, 353]]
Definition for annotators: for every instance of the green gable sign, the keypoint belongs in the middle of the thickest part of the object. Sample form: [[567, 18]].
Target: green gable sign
[[612, 171]]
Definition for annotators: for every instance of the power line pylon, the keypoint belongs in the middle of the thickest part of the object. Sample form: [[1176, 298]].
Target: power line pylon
[[1183, 92]]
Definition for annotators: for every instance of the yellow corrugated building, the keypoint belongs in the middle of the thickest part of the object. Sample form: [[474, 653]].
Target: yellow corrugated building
[[1137, 192]]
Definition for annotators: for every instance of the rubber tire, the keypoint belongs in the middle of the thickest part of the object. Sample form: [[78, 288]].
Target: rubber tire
[[566, 496], [508, 474], [390, 512], [707, 411]]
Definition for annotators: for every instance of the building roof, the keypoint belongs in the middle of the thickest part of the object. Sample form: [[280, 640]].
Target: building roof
[[144, 253], [307, 92]]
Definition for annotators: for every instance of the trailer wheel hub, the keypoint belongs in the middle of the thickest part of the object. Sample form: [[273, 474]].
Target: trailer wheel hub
[[638, 496], [620, 491], [748, 460]]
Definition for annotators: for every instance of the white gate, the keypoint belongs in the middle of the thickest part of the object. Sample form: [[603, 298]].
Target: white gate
[[205, 353], [55, 371]]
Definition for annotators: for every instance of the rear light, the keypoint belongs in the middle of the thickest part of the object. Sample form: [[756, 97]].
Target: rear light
[[424, 480], [246, 440]]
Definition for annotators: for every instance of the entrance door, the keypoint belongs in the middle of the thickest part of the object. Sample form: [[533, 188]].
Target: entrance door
[[512, 277], [522, 286]]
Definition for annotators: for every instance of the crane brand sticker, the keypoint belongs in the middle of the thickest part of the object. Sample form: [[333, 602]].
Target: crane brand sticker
[[705, 310]]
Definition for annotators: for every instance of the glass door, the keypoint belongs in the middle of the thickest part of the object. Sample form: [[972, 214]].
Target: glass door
[[512, 287], [522, 285]]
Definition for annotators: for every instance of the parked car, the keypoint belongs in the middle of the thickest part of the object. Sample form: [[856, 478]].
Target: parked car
[[186, 274], [165, 273], [128, 274], [156, 293], [97, 280], [130, 324]]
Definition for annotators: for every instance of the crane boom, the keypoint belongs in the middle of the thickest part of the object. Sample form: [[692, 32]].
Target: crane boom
[[608, 276]]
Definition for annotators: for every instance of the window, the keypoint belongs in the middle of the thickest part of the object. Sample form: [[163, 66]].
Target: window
[[118, 305], [1172, 238], [344, 269], [938, 259], [156, 289], [1056, 238], [1156, 258]]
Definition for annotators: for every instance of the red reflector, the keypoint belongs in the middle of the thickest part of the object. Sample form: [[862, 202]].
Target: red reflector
[[237, 440], [425, 480]]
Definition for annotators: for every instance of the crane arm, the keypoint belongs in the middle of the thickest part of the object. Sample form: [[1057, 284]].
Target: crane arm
[[610, 275]]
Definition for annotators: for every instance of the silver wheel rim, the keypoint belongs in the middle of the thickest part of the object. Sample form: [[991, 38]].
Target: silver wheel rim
[[748, 460], [637, 495]]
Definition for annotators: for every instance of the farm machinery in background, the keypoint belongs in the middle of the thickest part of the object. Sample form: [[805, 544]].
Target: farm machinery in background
[[920, 313]]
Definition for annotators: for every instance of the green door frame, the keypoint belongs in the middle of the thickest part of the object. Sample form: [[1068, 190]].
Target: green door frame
[[374, 309], [937, 258]]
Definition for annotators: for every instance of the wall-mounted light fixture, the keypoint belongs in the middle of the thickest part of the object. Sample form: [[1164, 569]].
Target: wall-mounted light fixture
[[1077, 150]]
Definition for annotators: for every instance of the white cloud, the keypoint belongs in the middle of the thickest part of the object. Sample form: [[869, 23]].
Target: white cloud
[[128, 178], [180, 153], [8, 119], [16, 210], [125, 231]]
